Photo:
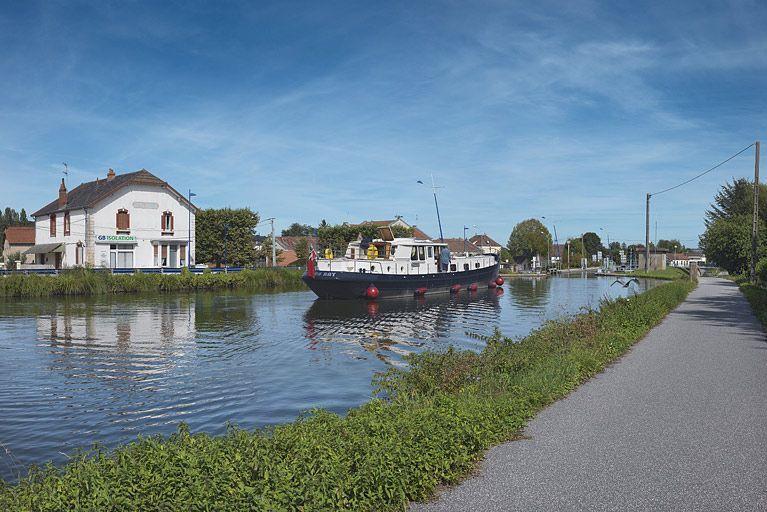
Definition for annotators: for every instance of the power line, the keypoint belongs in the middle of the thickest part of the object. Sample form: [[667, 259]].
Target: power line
[[705, 172]]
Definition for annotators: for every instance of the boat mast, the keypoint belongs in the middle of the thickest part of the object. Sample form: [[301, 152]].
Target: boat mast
[[436, 205]]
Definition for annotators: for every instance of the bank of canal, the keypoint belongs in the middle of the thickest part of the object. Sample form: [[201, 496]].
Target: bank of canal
[[105, 369]]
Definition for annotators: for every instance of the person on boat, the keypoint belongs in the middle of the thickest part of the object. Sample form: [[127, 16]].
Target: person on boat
[[444, 259]]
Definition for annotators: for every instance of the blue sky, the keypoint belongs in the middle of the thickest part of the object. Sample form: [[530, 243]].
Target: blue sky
[[305, 110]]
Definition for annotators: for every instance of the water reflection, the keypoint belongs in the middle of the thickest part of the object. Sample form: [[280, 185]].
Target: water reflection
[[76, 371], [396, 327]]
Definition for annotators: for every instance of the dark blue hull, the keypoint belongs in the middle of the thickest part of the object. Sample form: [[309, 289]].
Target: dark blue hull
[[353, 285]]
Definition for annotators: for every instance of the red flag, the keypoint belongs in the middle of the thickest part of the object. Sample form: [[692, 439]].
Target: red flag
[[310, 266]]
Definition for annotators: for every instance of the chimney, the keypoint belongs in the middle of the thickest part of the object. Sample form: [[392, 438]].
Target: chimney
[[110, 175], [62, 194]]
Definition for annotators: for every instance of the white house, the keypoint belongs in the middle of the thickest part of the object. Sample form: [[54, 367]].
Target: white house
[[132, 220]]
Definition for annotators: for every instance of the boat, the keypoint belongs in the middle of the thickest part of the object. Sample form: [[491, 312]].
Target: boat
[[389, 267]]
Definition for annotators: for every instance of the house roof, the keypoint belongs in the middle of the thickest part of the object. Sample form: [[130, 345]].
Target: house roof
[[420, 235], [20, 235], [456, 245], [483, 241], [287, 258], [288, 243], [88, 194], [678, 256]]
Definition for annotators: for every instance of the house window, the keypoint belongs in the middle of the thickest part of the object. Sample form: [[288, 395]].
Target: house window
[[156, 249], [52, 221], [121, 256], [164, 259], [166, 222], [66, 223], [182, 256], [123, 220], [79, 253]]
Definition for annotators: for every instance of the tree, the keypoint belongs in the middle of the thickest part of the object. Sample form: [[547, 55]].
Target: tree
[[592, 242], [302, 251], [226, 230], [727, 242], [727, 239], [737, 198], [673, 245], [528, 238], [297, 229]]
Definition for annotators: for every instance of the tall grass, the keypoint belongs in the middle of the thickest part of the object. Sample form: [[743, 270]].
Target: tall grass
[[668, 273], [88, 282], [433, 423]]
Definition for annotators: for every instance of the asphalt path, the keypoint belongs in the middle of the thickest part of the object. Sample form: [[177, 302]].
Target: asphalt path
[[679, 423]]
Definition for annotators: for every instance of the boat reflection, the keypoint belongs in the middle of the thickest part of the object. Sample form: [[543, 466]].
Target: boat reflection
[[392, 329]]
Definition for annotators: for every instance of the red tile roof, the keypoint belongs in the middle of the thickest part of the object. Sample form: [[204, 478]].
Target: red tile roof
[[20, 235], [484, 241], [288, 243], [456, 245], [287, 258]]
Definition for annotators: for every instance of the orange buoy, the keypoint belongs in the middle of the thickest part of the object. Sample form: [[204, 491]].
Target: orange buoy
[[473, 287], [499, 281], [455, 288]]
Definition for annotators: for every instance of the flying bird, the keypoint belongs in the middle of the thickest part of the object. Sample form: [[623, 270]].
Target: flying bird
[[627, 283]]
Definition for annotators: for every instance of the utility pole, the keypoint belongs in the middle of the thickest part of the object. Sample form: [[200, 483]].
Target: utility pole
[[274, 246], [584, 259], [755, 225], [189, 230], [464, 238], [647, 234]]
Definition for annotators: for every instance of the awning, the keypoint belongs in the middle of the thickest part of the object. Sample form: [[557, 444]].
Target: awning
[[45, 249]]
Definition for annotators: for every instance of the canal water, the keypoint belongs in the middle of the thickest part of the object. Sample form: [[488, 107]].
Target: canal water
[[79, 371]]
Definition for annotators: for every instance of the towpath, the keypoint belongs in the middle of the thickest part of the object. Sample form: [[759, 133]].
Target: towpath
[[679, 423]]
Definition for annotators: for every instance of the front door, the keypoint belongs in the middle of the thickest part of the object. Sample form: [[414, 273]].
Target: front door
[[57, 260]]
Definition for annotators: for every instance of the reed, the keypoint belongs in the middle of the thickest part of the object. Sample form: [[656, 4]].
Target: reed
[[89, 282], [430, 426]]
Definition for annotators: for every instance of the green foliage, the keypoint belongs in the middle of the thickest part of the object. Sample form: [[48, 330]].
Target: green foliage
[[436, 420], [727, 242], [89, 282], [528, 238], [302, 251], [337, 237], [672, 245], [264, 253], [756, 295], [761, 271], [669, 273], [297, 229], [226, 230], [592, 243], [737, 199]]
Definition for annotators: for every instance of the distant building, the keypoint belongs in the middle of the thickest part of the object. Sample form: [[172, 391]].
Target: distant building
[[18, 239], [683, 260], [657, 258], [132, 220], [486, 244]]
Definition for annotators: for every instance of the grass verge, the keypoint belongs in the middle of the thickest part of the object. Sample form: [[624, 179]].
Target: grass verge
[[436, 419], [88, 282], [668, 274], [756, 296]]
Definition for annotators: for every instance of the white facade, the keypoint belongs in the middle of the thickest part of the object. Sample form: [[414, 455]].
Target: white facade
[[94, 240]]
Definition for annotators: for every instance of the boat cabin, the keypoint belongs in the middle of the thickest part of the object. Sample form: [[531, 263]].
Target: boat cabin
[[400, 256]]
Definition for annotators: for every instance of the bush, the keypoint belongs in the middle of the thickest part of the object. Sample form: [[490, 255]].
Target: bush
[[434, 422], [761, 271], [83, 281]]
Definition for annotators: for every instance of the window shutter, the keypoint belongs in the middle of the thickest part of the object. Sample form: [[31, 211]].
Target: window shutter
[[171, 222], [164, 251], [127, 220]]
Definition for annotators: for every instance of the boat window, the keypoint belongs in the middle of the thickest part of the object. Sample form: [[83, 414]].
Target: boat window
[[413, 253], [476, 265], [452, 267], [466, 266], [352, 252], [431, 253], [422, 253]]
